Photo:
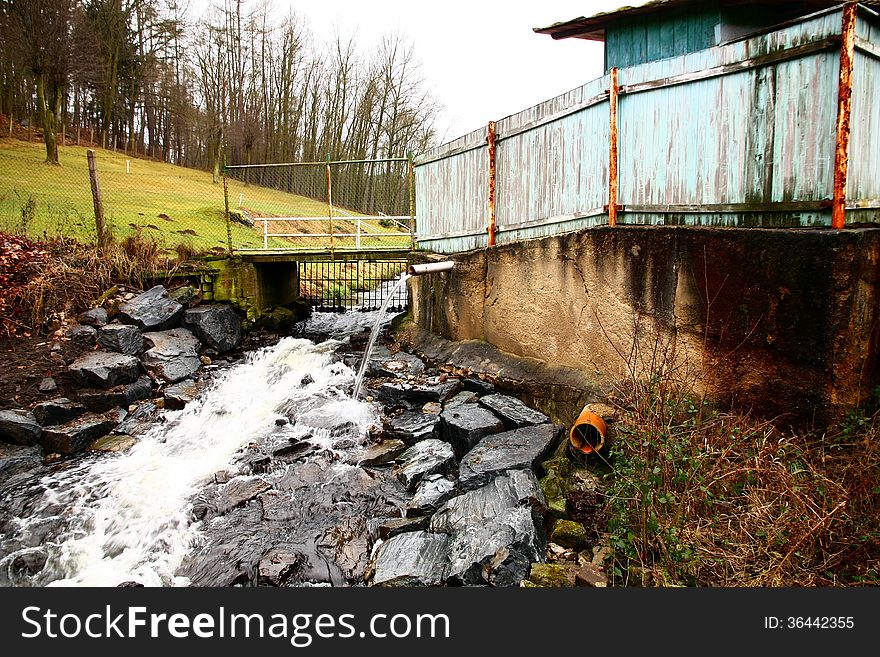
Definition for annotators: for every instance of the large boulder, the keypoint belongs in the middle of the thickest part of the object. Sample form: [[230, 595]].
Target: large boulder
[[512, 450], [413, 426], [57, 411], [428, 457], [513, 412], [121, 338], [416, 395], [15, 459], [154, 310], [412, 559], [93, 317], [180, 394], [103, 369], [216, 325], [464, 425], [78, 434], [173, 355], [20, 427], [101, 401], [431, 493]]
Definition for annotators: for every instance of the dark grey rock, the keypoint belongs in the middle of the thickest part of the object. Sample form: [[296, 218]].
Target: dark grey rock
[[153, 310], [48, 385], [511, 450], [431, 493], [180, 394], [173, 355], [93, 317], [422, 459], [415, 395], [383, 453], [76, 435], [464, 397], [184, 295], [15, 459], [121, 338], [513, 412], [413, 426], [20, 427], [464, 426], [101, 401], [400, 364], [103, 369], [216, 325], [478, 386], [412, 559], [82, 337], [289, 564], [394, 526], [139, 421], [57, 411], [240, 490]]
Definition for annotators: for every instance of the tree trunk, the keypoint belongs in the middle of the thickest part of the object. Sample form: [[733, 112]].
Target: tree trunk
[[48, 104]]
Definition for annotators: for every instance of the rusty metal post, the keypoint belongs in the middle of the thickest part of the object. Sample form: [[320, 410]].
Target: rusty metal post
[[613, 93], [226, 212], [490, 139], [330, 200], [844, 113]]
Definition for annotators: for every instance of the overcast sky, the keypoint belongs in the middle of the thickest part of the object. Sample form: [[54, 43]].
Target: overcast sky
[[480, 57]]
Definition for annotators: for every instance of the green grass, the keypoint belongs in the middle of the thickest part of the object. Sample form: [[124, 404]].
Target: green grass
[[170, 204]]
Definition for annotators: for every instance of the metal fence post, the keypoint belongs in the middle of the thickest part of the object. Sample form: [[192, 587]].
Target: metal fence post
[[226, 212], [330, 200], [844, 113], [97, 199], [411, 179], [613, 92], [490, 140], [358, 243]]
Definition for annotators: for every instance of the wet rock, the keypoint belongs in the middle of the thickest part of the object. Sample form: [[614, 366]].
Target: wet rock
[[216, 325], [173, 355], [478, 386], [94, 317], [425, 458], [412, 559], [512, 411], [278, 506], [400, 364], [82, 337], [15, 459], [76, 435], [113, 443], [139, 421], [590, 575], [464, 426], [413, 426], [121, 338], [240, 490], [180, 394], [103, 369], [153, 310], [433, 491], [278, 319], [288, 564], [550, 575], [57, 411], [48, 385], [383, 453], [26, 564], [464, 397], [184, 295], [101, 401], [20, 427], [394, 526], [416, 395], [568, 534], [511, 450], [432, 408]]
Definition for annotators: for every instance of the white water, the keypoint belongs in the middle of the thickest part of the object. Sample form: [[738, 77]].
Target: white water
[[127, 517], [365, 361]]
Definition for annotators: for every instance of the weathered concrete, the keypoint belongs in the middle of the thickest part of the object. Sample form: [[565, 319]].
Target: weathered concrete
[[254, 287], [785, 323]]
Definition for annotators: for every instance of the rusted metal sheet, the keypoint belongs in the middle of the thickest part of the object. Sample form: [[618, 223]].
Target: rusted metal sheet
[[844, 111], [613, 153], [863, 173], [490, 143]]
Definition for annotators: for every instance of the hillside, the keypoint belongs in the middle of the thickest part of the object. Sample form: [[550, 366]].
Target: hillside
[[169, 204]]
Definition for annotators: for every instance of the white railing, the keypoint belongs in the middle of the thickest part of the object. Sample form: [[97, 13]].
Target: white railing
[[362, 229]]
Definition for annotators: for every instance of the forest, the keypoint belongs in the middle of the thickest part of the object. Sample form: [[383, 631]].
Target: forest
[[236, 81]]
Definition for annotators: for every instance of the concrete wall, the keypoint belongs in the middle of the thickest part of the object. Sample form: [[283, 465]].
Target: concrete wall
[[780, 322]]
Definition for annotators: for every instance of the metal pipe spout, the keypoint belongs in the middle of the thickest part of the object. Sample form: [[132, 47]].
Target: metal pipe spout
[[430, 268]]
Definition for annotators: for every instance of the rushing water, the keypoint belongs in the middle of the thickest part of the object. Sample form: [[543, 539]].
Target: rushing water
[[129, 517]]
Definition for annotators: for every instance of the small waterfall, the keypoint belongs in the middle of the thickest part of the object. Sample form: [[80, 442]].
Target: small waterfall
[[375, 334]]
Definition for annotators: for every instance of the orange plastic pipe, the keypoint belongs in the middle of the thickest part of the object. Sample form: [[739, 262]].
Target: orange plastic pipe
[[588, 432]]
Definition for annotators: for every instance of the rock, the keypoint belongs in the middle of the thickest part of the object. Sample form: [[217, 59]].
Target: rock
[[57, 411], [101, 401], [415, 395], [139, 421], [216, 325], [550, 575], [173, 355], [184, 295], [464, 397], [82, 337], [76, 435], [412, 559], [113, 443], [478, 386], [431, 493], [511, 450], [465, 426], [400, 364], [153, 310], [568, 533], [432, 408], [94, 317], [121, 338], [240, 490], [20, 427], [590, 575], [15, 459], [428, 457], [512, 411], [278, 319], [289, 564], [383, 453], [205, 360], [412, 427], [103, 369], [48, 385], [394, 526], [180, 394]]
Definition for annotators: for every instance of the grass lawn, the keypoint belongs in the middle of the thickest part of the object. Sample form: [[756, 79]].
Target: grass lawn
[[167, 203]]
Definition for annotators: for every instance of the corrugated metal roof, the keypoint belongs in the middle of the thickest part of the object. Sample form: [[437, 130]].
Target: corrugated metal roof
[[593, 27]]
